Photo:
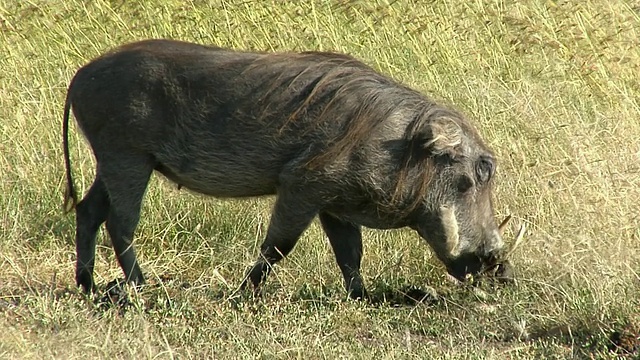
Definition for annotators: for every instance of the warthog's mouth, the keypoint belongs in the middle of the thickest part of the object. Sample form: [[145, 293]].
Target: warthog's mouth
[[501, 271]]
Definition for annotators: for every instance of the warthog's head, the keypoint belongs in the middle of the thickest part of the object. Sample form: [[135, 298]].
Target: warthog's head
[[455, 214]]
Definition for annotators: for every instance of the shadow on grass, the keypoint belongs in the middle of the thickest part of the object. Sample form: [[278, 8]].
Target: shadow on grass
[[379, 296], [116, 293], [405, 295]]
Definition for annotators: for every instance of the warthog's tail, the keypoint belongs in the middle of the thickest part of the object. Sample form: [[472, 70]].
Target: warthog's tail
[[70, 197]]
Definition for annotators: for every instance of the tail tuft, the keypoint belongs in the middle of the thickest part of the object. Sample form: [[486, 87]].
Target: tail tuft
[[70, 199]]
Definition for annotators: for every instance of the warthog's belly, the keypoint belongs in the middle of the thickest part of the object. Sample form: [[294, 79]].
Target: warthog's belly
[[223, 181]]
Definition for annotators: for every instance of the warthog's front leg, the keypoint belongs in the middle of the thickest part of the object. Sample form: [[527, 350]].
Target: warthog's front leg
[[346, 241], [290, 218]]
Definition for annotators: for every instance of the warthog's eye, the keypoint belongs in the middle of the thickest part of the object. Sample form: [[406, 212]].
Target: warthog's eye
[[484, 169], [465, 183]]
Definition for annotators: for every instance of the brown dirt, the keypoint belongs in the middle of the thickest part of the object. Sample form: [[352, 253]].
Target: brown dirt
[[626, 340]]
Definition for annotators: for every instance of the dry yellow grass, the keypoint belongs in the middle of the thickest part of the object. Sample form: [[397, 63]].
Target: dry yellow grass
[[552, 86]]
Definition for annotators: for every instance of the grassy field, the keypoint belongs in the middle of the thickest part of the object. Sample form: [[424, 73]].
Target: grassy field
[[553, 87]]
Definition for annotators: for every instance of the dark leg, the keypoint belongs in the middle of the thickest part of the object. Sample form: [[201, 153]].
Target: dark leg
[[290, 218], [346, 241], [126, 182], [91, 212]]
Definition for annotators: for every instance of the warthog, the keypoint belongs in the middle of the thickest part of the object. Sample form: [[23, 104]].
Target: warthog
[[325, 133]]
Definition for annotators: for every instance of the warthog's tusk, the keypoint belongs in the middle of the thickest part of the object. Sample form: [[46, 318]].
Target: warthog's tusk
[[503, 224], [518, 240]]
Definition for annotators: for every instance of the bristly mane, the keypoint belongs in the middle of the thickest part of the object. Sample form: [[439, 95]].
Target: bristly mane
[[333, 85]]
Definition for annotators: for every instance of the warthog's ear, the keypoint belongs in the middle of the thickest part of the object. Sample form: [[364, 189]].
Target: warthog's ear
[[440, 136]]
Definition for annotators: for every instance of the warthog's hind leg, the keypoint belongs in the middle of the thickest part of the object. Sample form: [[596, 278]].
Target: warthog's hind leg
[[91, 212], [126, 181], [346, 241]]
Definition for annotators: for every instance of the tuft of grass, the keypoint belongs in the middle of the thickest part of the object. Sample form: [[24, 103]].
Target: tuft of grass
[[552, 86]]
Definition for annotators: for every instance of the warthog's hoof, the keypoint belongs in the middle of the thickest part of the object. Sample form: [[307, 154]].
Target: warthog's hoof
[[414, 294], [116, 294]]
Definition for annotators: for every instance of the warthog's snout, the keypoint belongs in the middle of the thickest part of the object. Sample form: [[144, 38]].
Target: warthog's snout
[[474, 263], [491, 261]]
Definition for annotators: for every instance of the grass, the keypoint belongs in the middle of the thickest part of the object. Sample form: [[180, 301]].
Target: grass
[[552, 86]]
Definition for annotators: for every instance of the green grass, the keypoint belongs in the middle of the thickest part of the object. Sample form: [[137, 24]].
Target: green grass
[[552, 86]]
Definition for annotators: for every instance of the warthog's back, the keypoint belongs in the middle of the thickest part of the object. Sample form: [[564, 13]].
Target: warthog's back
[[218, 121]]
